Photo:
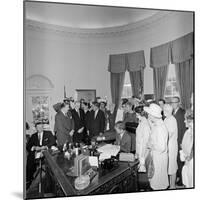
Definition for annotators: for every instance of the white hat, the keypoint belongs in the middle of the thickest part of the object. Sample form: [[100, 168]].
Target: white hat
[[154, 110]]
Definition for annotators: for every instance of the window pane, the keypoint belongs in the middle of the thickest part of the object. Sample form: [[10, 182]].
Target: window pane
[[127, 91], [171, 88]]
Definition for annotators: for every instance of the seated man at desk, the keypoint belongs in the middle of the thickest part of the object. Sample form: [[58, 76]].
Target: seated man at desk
[[39, 141], [123, 139]]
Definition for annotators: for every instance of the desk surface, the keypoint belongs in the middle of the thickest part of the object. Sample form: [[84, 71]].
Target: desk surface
[[60, 166]]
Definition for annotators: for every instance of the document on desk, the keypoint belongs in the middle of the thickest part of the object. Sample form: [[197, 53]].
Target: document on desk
[[93, 160], [38, 155], [107, 151]]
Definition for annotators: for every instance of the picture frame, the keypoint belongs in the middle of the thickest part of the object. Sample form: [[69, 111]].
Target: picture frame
[[86, 94]]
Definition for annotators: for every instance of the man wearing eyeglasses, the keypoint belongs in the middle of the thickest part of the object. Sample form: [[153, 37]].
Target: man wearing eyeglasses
[[179, 113]]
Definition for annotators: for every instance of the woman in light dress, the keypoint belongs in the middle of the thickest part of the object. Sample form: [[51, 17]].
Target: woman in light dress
[[142, 137], [158, 147], [186, 154], [171, 124]]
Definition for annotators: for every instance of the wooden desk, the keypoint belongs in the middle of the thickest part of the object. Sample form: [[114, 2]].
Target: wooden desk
[[120, 180]]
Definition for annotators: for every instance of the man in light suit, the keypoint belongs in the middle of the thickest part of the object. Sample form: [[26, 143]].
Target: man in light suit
[[97, 121], [39, 141], [123, 139], [179, 114], [64, 125]]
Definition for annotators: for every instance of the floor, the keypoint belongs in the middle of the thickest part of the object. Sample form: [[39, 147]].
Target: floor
[[33, 191]]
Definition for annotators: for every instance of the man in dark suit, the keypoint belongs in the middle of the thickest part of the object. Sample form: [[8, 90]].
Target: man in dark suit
[[179, 113], [64, 125], [161, 103], [78, 116], [85, 107], [123, 139], [97, 121], [39, 141]]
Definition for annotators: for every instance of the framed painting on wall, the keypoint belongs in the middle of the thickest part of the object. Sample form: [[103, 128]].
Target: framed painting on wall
[[38, 107], [87, 94]]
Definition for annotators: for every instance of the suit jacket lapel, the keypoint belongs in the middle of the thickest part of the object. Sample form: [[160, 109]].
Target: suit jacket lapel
[[63, 114], [123, 138], [37, 140], [43, 138], [96, 115]]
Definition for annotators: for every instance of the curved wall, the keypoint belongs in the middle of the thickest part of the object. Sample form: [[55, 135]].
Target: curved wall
[[80, 61]]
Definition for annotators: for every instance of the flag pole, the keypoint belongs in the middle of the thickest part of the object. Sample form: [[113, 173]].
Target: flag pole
[[65, 96]]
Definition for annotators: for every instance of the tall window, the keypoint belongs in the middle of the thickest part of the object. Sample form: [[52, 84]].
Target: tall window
[[171, 88], [127, 91]]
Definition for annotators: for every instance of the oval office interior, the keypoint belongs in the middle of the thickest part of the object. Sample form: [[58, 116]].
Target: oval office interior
[[97, 79]]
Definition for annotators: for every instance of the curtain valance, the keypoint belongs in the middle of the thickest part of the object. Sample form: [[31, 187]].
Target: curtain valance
[[117, 63], [182, 48], [133, 61], [160, 55]]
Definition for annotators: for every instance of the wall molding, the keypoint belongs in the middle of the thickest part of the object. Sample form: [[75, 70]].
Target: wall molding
[[39, 82], [100, 32]]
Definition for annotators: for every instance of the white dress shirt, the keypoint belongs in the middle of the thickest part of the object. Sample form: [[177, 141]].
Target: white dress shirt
[[175, 111], [40, 137], [121, 135], [77, 110], [95, 113]]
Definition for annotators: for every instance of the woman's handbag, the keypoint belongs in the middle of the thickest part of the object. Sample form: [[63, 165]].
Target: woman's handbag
[[149, 165]]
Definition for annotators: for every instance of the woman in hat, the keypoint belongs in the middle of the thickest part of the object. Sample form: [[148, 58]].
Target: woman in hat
[[158, 147], [186, 154], [171, 124], [142, 137]]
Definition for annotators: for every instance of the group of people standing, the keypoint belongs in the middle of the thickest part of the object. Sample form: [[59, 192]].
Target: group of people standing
[[165, 131], [80, 121]]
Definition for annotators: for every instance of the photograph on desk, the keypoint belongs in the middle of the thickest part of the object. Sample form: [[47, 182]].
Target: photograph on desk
[[109, 95]]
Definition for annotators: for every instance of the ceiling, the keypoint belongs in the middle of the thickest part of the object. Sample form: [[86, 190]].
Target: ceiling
[[87, 17]]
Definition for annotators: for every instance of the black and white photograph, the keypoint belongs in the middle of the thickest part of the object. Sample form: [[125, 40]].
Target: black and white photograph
[[108, 100]]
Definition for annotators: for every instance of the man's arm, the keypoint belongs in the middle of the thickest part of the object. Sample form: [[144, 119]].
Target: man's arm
[[102, 122], [30, 144], [59, 124], [117, 140], [51, 141], [126, 144], [73, 124]]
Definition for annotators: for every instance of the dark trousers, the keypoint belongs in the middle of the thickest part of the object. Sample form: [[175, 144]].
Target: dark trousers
[[30, 167], [179, 171], [86, 137], [77, 137]]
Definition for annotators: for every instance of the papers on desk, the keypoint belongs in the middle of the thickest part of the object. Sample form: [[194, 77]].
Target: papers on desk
[[53, 148], [99, 138], [38, 155], [128, 157], [107, 151], [93, 160]]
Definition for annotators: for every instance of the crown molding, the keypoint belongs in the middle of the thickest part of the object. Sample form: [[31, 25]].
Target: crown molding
[[99, 32]]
